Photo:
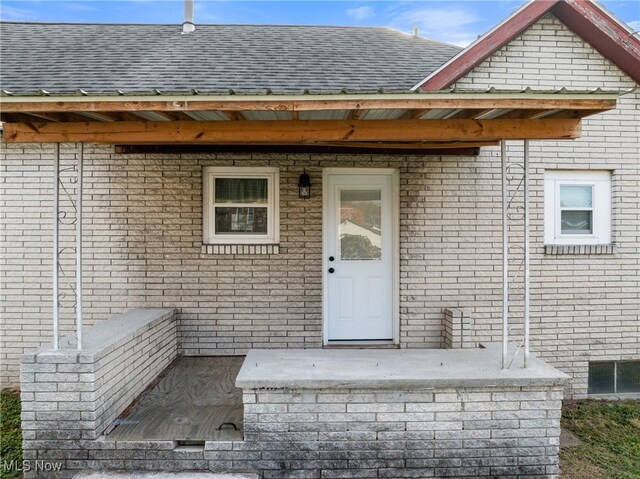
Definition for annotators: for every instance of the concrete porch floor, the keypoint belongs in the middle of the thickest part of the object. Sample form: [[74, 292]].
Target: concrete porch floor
[[389, 369], [193, 400]]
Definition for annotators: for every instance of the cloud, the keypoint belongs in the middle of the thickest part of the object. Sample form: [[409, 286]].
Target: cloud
[[634, 25], [19, 14], [451, 25], [360, 13]]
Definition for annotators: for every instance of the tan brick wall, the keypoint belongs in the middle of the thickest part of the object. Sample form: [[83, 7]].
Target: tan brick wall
[[143, 236], [583, 306], [143, 248]]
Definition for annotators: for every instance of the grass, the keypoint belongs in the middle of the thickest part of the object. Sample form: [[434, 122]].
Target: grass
[[610, 435], [10, 433], [609, 432]]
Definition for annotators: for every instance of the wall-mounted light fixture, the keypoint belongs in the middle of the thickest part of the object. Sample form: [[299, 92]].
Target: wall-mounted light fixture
[[304, 185]]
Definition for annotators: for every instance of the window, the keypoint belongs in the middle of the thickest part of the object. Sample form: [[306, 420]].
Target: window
[[614, 377], [240, 205], [577, 207]]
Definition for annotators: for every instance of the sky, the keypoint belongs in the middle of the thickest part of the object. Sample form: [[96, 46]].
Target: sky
[[456, 22]]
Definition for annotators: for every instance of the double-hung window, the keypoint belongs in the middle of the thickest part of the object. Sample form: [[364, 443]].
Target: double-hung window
[[577, 207], [240, 205]]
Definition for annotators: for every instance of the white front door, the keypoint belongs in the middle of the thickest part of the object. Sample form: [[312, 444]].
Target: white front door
[[359, 251]]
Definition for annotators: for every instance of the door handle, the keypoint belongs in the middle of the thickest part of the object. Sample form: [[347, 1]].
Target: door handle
[[331, 258], [331, 270]]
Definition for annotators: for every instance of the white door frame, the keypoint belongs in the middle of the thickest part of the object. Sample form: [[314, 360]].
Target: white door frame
[[395, 247]]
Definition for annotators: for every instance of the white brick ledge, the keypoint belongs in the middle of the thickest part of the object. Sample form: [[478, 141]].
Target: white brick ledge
[[252, 249], [555, 249]]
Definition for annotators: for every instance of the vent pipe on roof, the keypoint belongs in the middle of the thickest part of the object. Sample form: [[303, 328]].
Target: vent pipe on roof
[[188, 26], [415, 30]]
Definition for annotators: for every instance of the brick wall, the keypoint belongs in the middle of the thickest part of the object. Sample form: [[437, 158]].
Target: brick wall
[[363, 433], [584, 306], [457, 327], [69, 397], [143, 248], [457, 432], [143, 236]]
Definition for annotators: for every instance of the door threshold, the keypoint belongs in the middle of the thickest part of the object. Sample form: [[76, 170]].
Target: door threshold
[[376, 344]]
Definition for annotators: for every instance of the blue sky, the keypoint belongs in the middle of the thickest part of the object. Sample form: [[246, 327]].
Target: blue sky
[[458, 22]]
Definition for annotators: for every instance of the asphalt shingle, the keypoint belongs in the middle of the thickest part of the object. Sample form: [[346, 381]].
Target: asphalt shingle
[[101, 58]]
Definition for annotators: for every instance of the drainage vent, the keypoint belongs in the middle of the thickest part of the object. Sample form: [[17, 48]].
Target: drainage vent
[[189, 444]]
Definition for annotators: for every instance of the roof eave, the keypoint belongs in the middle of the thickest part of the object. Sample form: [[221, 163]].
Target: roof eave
[[592, 23]]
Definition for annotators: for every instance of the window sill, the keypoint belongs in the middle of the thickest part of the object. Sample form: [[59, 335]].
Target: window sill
[[582, 249], [250, 249]]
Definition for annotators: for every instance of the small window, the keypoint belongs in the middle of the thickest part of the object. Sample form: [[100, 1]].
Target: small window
[[240, 205], [577, 207], [614, 377]]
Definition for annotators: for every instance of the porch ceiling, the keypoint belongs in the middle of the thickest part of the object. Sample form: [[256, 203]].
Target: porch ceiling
[[410, 121]]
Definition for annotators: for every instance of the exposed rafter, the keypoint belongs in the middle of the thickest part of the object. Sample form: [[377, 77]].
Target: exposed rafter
[[419, 101], [293, 131]]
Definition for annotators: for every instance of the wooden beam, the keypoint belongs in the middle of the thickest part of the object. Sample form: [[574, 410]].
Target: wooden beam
[[421, 145], [342, 149], [23, 118], [293, 131], [54, 117], [572, 114], [423, 101]]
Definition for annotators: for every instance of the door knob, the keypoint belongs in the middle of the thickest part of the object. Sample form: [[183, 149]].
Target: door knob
[[331, 258], [331, 270]]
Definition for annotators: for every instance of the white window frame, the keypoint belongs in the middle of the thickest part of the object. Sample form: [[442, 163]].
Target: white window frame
[[600, 181], [272, 175]]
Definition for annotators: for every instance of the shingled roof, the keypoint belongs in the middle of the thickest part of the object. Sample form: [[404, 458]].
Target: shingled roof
[[105, 58]]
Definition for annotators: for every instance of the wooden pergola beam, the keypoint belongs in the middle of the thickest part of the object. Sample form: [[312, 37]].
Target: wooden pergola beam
[[414, 145], [572, 114], [31, 116], [214, 132], [548, 102], [306, 149], [24, 118]]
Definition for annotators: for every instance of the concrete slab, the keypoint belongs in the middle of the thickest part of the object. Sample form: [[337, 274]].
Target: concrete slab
[[391, 369]]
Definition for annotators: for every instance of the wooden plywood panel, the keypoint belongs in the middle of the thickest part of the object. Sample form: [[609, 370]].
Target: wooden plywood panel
[[189, 402]]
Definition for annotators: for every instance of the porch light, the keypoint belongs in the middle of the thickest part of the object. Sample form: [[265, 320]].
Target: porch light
[[304, 185]]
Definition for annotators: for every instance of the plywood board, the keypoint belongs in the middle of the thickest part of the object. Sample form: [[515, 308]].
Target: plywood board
[[189, 402]]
